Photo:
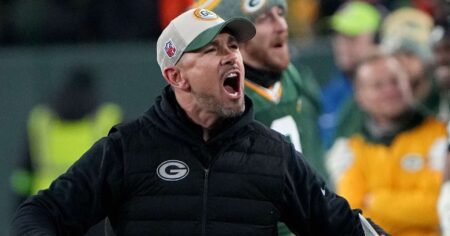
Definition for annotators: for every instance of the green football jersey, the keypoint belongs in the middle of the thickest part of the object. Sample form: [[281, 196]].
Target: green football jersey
[[292, 108]]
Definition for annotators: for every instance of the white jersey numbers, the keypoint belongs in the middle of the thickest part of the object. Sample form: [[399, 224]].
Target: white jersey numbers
[[286, 125]]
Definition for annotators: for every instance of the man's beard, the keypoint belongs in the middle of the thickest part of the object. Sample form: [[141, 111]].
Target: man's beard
[[211, 104]]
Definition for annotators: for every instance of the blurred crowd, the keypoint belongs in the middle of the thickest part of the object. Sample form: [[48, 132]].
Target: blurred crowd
[[72, 21], [384, 111]]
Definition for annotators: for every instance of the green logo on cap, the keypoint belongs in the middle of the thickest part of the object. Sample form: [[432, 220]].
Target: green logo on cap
[[251, 6], [254, 3], [205, 14]]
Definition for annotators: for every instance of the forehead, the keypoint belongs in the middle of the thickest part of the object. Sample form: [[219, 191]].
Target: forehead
[[268, 11], [376, 69]]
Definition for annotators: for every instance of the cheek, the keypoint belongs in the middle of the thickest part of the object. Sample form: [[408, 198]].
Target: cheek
[[362, 98], [260, 40], [205, 82], [371, 99], [202, 68]]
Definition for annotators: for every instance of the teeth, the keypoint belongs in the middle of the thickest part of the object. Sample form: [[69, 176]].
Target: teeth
[[235, 94], [233, 74]]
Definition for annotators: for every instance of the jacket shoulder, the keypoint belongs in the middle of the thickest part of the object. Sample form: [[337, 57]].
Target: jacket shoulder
[[130, 128], [265, 132]]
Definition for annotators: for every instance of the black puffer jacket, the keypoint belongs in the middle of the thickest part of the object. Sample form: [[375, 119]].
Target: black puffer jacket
[[156, 176]]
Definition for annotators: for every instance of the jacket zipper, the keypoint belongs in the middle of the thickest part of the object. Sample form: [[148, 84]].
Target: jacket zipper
[[211, 161], [205, 196]]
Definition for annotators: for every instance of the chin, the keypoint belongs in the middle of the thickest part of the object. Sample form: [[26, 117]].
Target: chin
[[281, 56], [234, 111], [280, 62], [277, 63], [231, 113], [280, 65]]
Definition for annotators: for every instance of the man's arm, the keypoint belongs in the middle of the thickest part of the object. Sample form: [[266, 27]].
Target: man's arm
[[310, 208], [77, 199]]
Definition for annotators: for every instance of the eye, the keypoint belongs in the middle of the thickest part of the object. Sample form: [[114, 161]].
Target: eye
[[281, 11], [234, 45], [209, 50], [261, 18]]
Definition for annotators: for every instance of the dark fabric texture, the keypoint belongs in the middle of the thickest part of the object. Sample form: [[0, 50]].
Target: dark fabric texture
[[240, 182]]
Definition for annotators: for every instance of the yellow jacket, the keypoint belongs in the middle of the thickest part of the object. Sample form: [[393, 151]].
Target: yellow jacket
[[396, 185], [55, 144]]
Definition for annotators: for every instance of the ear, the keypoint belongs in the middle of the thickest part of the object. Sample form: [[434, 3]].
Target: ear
[[174, 78]]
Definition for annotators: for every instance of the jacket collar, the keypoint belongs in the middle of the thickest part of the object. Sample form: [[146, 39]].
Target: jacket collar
[[170, 118], [407, 121]]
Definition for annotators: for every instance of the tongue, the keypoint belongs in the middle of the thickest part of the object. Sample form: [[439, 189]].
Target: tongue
[[229, 89]]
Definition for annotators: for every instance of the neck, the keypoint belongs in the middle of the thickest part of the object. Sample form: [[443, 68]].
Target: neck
[[261, 77], [205, 119], [382, 126], [384, 123]]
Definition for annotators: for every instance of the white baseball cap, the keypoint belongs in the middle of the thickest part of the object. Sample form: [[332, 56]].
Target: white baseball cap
[[193, 30]]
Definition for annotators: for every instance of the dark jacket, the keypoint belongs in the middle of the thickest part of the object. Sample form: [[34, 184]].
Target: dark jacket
[[156, 176]]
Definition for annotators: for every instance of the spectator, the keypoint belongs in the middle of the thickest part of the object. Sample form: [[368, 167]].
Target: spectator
[[404, 34], [286, 99], [355, 25], [59, 132], [392, 168]]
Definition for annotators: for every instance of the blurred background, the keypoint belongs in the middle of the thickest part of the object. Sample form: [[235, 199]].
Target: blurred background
[[42, 41]]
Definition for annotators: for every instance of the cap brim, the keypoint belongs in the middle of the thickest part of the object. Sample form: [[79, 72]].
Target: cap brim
[[239, 27]]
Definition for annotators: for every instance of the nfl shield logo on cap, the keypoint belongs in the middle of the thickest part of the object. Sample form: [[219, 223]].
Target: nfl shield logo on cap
[[170, 48]]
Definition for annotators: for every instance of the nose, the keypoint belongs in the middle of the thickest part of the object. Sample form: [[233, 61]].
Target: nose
[[230, 56], [279, 21], [281, 24]]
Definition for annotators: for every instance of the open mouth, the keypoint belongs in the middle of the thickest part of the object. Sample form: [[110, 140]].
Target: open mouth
[[278, 45], [232, 85]]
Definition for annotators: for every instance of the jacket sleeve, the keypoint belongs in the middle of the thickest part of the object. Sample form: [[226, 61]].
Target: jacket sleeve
[[310, 208], [76, 200]]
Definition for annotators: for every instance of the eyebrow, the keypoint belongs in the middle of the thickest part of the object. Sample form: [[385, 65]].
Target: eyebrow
[[231, 39]]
